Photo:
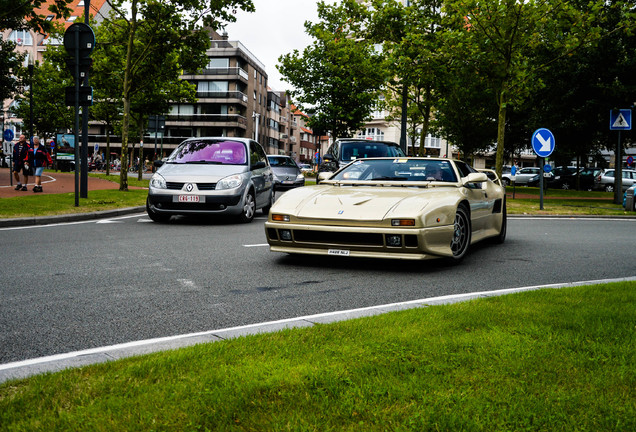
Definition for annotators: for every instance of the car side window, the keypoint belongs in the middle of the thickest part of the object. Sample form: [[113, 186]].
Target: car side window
[[257, 154]]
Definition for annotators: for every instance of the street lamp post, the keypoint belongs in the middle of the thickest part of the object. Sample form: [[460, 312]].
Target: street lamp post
[[31, 102]]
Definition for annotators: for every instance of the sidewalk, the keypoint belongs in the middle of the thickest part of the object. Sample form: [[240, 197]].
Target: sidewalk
[[52, 183], [57, 183]]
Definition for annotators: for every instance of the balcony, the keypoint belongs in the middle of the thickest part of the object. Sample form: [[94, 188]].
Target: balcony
[[198, 120], [219, 73], [223, 96]]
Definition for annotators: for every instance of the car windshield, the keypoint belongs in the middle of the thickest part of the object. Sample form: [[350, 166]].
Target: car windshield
[[218, 152], [281, 161], [352, 150], [400, 169]]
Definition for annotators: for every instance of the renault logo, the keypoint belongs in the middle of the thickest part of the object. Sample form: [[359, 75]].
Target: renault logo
[[189, 187]]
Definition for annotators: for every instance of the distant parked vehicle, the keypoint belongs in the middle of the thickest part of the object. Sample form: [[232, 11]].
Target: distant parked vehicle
[[604, 180], [528, 176]]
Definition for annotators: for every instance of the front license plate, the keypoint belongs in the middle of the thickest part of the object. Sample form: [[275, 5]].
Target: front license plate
[[340, 252], [190, 198]]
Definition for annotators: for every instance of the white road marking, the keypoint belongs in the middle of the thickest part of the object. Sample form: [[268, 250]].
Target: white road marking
[[256, 245]]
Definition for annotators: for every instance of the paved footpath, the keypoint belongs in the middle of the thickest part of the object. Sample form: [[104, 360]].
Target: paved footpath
[[52, 183]]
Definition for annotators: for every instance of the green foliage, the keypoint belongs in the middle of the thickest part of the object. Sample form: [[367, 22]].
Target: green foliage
[[23, 15], [337, 78]]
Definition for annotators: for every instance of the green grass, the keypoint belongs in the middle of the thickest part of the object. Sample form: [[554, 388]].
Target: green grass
[[548, 360], [56, 204]]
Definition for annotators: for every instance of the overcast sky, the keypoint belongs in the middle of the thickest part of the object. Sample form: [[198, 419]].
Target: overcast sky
[[274, 29]]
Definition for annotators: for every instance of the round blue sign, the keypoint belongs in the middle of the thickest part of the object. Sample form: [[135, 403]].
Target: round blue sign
[[547, 168], [630, 160], [8, 135], [543, 142]]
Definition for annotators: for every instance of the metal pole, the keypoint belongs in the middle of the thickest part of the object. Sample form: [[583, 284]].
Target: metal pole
[[541, 162], [403, 119], [77, 124], [618, 173], [31, 102]]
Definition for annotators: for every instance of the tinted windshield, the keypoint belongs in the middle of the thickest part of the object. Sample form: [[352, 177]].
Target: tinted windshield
[[281, 161], [351, 150], [219, 152], [398, 170]]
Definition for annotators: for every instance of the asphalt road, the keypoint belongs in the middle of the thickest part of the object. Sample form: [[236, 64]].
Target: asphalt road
[[77, 286]]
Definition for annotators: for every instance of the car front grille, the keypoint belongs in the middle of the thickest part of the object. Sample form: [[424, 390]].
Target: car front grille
[[342, 239], [201, 186]]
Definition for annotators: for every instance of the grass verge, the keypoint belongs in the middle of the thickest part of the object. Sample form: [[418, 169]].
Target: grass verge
[[557, 360], [56, 204]]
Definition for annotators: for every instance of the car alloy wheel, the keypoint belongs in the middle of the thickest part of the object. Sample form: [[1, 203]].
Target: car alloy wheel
[[249, 208], [461, 233]]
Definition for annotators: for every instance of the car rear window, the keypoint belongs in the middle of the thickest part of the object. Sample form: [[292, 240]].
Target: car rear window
[[364, 149], [206, 151]]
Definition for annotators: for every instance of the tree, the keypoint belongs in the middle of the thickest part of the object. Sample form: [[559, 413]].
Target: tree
[[23, 15], [337, 78], [179, 22], [50, 79], [500, 40]]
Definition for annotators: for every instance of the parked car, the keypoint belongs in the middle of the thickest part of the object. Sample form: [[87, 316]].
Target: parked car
[[506, 175], [604, 180], [528, 176], [305, 167], [630, 204], [346, 150], [212, 176], [287, 174], [373, 208], [563, 177]]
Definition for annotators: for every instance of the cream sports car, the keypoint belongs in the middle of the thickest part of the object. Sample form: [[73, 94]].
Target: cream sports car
[[404, 208]]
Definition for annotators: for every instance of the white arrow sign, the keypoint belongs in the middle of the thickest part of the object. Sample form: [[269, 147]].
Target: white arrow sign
[[546, 145]]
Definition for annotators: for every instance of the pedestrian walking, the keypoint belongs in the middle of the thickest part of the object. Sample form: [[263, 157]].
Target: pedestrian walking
[[39, 158], [21, 162]]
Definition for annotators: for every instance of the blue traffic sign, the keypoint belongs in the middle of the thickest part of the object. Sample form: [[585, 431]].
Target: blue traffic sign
[[547, 168], [543, 142], [8, 135], [621, 119]]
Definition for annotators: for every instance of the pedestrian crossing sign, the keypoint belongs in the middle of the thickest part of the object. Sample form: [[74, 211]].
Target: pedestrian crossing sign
[[621, 119]]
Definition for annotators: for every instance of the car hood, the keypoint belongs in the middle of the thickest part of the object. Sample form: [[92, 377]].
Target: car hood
[[289, 171], [359, 203], [199, 172]]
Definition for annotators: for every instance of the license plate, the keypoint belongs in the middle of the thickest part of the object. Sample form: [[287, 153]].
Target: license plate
[[189, 198], [339, 252]]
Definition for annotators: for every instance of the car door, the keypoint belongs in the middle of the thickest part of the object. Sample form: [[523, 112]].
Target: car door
[[261, 173], [480, 203]]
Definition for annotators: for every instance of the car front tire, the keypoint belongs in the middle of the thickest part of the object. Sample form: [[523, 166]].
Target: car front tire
[[249, 208], [461, 233]]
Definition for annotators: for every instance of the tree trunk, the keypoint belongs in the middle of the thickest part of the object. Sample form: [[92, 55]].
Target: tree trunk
[[123, 175], [501, 129]]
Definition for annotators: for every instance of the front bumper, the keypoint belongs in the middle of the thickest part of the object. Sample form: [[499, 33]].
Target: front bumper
[[367, 242], [216, 204]]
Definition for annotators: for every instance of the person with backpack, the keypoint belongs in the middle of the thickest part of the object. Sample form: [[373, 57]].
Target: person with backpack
[[40, 158]]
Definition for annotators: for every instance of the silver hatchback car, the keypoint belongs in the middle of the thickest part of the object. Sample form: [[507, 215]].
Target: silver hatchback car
[[212, 176]]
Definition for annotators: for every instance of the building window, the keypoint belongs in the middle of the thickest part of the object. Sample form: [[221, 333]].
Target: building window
[[213, 87], [218, 63], [21, 37], [72, 18]]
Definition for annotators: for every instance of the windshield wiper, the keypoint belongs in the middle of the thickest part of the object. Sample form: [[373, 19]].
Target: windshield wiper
[[204, 162], [390, 178]]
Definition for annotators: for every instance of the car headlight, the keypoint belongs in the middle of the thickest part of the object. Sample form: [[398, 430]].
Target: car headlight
[[158, 182], [300, 177], [230, 182]]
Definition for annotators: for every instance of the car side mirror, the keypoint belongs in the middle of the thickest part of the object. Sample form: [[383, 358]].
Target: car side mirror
[[259, 165], [325, 175], [328, 157], [475, 178], [158, 163]]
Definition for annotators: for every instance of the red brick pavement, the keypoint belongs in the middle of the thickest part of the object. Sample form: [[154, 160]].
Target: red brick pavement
[[52, 183]]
